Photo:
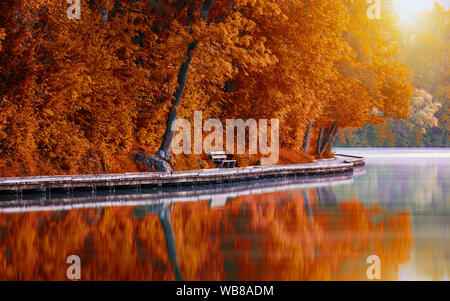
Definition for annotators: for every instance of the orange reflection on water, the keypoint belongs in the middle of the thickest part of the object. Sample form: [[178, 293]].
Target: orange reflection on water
[[260, 237]]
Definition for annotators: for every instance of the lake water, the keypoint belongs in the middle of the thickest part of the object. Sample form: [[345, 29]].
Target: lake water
[[396, 209]]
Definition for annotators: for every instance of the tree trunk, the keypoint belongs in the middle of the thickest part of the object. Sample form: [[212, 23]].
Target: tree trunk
[[307, 135], [319, 141], [308, 207], [330, 138], [164, 150], [104, 14]]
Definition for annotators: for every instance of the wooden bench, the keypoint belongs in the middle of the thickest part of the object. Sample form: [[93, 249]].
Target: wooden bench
[[220, 159]]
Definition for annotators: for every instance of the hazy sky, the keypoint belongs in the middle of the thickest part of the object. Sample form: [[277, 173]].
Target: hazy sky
[[407, 9]]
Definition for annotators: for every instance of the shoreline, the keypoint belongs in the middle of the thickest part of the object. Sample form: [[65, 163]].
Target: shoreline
[[75, 183]]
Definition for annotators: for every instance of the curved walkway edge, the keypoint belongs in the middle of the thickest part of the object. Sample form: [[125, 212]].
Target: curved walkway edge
[[339, 165]]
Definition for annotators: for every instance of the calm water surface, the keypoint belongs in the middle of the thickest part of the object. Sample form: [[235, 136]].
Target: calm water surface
[[397, 209]]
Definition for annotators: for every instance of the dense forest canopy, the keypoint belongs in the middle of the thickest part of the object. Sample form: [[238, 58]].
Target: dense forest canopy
[[83, 95]]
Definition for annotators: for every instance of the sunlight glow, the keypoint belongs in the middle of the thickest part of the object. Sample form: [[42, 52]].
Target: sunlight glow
[[408, 9]]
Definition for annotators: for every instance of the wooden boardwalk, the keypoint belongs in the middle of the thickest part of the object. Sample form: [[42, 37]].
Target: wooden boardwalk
[[198, 177], [356, 161], [217, 195]]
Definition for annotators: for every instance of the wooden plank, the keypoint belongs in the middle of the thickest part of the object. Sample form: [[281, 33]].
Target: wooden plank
[[218, 158]]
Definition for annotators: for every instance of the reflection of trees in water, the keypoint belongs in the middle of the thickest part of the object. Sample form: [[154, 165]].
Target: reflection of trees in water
[[164, 214], [430, 253], [111, 244], [326, 197], [414, 186], [420, 188], [293, 235]]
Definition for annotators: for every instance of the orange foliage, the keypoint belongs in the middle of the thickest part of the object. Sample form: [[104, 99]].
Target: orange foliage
[[80, 96], [286, 156], [192, 162]]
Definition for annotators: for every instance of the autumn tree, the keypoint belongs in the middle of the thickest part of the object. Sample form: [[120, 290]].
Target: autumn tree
[[305, 41], [422, 112], [372, 83], [164, 151], [18, 75]]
